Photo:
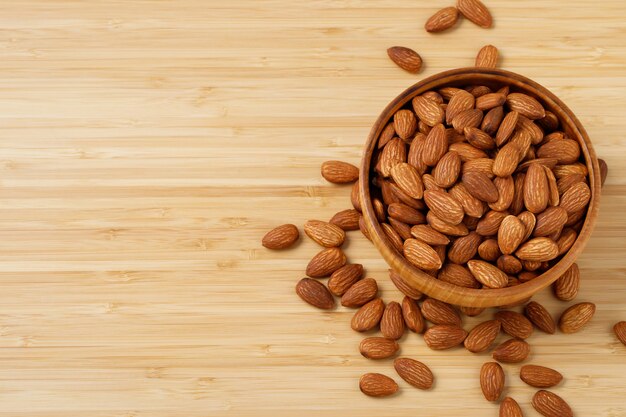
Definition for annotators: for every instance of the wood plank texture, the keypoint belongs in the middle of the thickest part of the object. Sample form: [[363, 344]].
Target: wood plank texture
[[148, 145]]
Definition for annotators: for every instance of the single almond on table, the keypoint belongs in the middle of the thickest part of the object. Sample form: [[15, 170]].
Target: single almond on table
[[414, 372], [412, 315], [442, 20], [476, 12], [486, 273], [438, 312], [325, 263], [368, 316], [515, 324], [540, 317], [346, 219], [576, 317], [392, 322], [360, 293], [281, 237], [315, 293], [444, 336], [343, 278], [511, 351], [421, 255], [492, 380], [405, 58], [482, 336], [324, 234], [377, 385], [339, 172], [510, 408], [378, 347], [549, 404], [540, 376], [488, 58]]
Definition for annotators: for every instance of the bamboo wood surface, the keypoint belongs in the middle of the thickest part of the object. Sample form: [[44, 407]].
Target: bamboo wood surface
[[148, 145]]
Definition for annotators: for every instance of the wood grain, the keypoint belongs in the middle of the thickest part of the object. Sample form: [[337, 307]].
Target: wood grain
[[146, 148]]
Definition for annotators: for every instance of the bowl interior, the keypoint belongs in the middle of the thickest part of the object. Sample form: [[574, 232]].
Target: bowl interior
[[431, 286]]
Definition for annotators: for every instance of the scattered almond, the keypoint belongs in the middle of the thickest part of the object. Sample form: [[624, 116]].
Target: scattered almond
[[281, 237], [377, 385], [405, 58], [414, 372]]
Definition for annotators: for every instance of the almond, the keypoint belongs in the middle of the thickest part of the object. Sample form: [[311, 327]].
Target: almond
[[392, 322], [438, 312], [354, 197], [405, 123], [377, 385], [478, 90], [575, 219], [405, 58], [368, 316], [515, 324], [480, 186], [436, 145], [566, 240], [458, 275], [360, 293], [564, 183], [576, 197], [428, 110], [540, 317], [378, 347], [510, 408], [506, 160], [392, 154], [506, 128], [466, 151], [414, 372], [489, 250], [444, 206], [510, 234], [604, 171], [405, 214], [415, 152], [431, 184], [490, 223], [490, 100], [467, 118], [506, 192], [408, 179], [444, 336], [444, 227], [549, 404], [536, 191], [511, 351], [392, 236], [529, 220], [325, 263], [517, 206], [412, 315], [550, 123], [548, 163], [489, 275], [315, 293], [488, 58], [343, 278], [421, 255], [538, 249], [476, 12], [324, 234], [479, 139], [471, 205], [405, 198], [550, 221], [553, 187], [525, 105], [404, 288], [386, 135], [442, 20], [482, 336], [346, 219], [492, 380], [540, 376], [569, 169], [533, 130], [464, 248], [447, 170], [576, 317], [492, 120], [339, 172], [459, 102], [620, 331], [472, 311], [509, 264], [429, 235], [565, 151], [281, 237]]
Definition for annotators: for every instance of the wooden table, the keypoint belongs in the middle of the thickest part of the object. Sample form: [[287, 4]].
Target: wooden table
[[148, 145]]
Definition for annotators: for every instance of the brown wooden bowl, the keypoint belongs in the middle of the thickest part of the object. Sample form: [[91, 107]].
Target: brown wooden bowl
[[442, 290]]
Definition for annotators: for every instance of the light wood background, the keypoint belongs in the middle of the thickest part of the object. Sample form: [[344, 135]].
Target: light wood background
[[146, 147]]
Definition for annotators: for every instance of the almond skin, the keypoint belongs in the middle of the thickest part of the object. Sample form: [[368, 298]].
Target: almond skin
[[392, 322], [281, 237], [315, 293], [540, 317], [414, 372], [343, 278], [482, 336], [511, 351], [429, 235], [368, 316], [509, 264], [405, 58], [550, 221], [435, 146], [620, 331], [325, 263], [386, 135], [566, 287], [549, 404], [464, 248], [339, 172], [404, 288], [510, 408], [405, 214], [489, 275], [536, 191], [447, 170], [476, 12], [438, 312], [510, 234], [392, 154], [576, 317], [515, 324], [405, 123], [377, 385], [459, 102], [575, 198], [428, 110], [421, 255], [324, 234], [540, 376], [442, 20], [480, 186], [378, 347], [525, 105], [487, 58], [538, 249], [492, 380], [360, 293], [408, 179], [444, 336], [444, 206], [346, 219]]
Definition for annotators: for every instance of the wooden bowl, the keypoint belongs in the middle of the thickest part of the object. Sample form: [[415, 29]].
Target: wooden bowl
[[442, 290]]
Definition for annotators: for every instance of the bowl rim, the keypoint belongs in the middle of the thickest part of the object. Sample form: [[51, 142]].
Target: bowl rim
[[445, 291]]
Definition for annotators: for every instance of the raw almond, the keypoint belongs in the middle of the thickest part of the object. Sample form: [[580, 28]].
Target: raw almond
[[484, 165], [458, 275], [515, 324], [281, 237], [442, 20], [464, 248], [324, 234], [540, 376], [471, 205], [549, 404], [509, 264], [564, 183], [392, 236], [363, 228], [536, 191], [315, 293], [438, 312], [444, 336], [447, 170], [480, 186], [576, 317], [506, 160], [489, 250], [405, 198], [553, 187], [368, 316], [405, 58], [566, 240], [492, 380], [550, 221], [467, 118], [360, 293], [444, 206], [414, 372], [377, 385], [429, 235], [408, 179], [538, 249], [404, 288], [466, 151], [412, 315], [511, 351], [506, 192], [405, 214], [346, 219], [548, 163], [378, 347], [620, 331], [540, 317], [488, 58], [386, 135], [403, 229], [421, 255], [431, 184], [482, 336], [525, 105], [435, 146], [506, 128], [576, 168], [510, 408], [325, 263], [490, 100], [459, 102], [492, 120], [565, 151], [472, 311], [344, 278], [354, 197], [392, 322], [479, 139], [444, 227], [428, 110], [339, 172], [476, 12], [517, 206], [576, 197], [489, 275], [510, 234], [478, 90], [379, 209], [392, 154], [529, 220], [405, 123], [490, 223]]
